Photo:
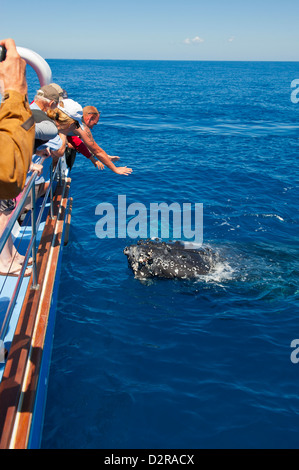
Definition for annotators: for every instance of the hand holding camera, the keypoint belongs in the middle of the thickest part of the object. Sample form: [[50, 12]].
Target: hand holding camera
[[12, 68], [2, 53]]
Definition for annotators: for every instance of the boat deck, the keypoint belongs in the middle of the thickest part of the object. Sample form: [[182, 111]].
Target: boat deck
[[29, 336]]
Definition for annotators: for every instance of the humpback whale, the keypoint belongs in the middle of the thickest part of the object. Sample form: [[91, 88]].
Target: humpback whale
[[169, 260]]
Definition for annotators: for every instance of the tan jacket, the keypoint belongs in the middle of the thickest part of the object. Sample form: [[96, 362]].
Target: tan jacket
[[17, 133]]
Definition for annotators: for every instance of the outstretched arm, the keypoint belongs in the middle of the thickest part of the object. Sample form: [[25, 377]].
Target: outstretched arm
[[99, 153]]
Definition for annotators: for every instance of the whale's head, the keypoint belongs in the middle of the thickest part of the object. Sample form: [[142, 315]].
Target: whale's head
[[168, 260]]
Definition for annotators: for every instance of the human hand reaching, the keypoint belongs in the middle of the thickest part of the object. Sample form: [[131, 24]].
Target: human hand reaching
[[123, 170]]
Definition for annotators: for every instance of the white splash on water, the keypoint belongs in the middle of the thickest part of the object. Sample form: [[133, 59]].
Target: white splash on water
[[220, 273]]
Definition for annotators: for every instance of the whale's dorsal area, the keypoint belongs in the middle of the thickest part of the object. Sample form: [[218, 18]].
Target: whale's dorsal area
[[169, 260]]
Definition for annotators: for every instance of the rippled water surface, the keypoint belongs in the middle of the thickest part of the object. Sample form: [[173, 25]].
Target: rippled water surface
[[178, 364]]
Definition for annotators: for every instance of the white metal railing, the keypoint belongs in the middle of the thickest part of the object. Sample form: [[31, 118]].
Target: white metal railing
[[32, 248]]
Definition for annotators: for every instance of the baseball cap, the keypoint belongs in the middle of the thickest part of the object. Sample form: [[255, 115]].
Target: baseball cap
[[57, 88], [61, 91], [72, 109], [49, 92]]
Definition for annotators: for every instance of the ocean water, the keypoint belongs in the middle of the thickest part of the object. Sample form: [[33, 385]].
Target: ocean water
[[176, 363]]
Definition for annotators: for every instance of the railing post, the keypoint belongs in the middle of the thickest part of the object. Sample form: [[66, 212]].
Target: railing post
[[2, 352], [59, 172], [51, 190], [33, 225]]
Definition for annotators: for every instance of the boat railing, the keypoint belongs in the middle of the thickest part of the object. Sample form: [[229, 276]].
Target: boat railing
[[55, 174]]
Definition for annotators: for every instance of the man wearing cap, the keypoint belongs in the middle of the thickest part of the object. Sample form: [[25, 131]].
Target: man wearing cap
[[62, 93], [47, 97], [75, 111]]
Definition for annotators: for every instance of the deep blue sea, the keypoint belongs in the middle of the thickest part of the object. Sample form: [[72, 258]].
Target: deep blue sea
[[175, 363]]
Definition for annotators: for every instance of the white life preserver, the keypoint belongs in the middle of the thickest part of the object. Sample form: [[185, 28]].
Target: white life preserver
[[39, 64]]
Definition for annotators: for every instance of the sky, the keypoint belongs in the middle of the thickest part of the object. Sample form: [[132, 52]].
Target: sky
[[155, 29]]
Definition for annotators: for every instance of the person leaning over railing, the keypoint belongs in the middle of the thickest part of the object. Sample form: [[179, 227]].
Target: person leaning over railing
[[51, 150], [16, 123], [75, 110], [90, 118]]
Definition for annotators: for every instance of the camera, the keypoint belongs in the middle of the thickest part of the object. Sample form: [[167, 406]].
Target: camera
[[2, 53]]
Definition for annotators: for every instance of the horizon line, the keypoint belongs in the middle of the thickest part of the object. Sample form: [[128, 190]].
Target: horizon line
[[177, 60]]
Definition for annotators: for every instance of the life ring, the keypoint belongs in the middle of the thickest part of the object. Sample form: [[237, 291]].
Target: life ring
[[39, 64]]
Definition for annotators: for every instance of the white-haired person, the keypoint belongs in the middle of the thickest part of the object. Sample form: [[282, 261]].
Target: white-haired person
[[47, 97]]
